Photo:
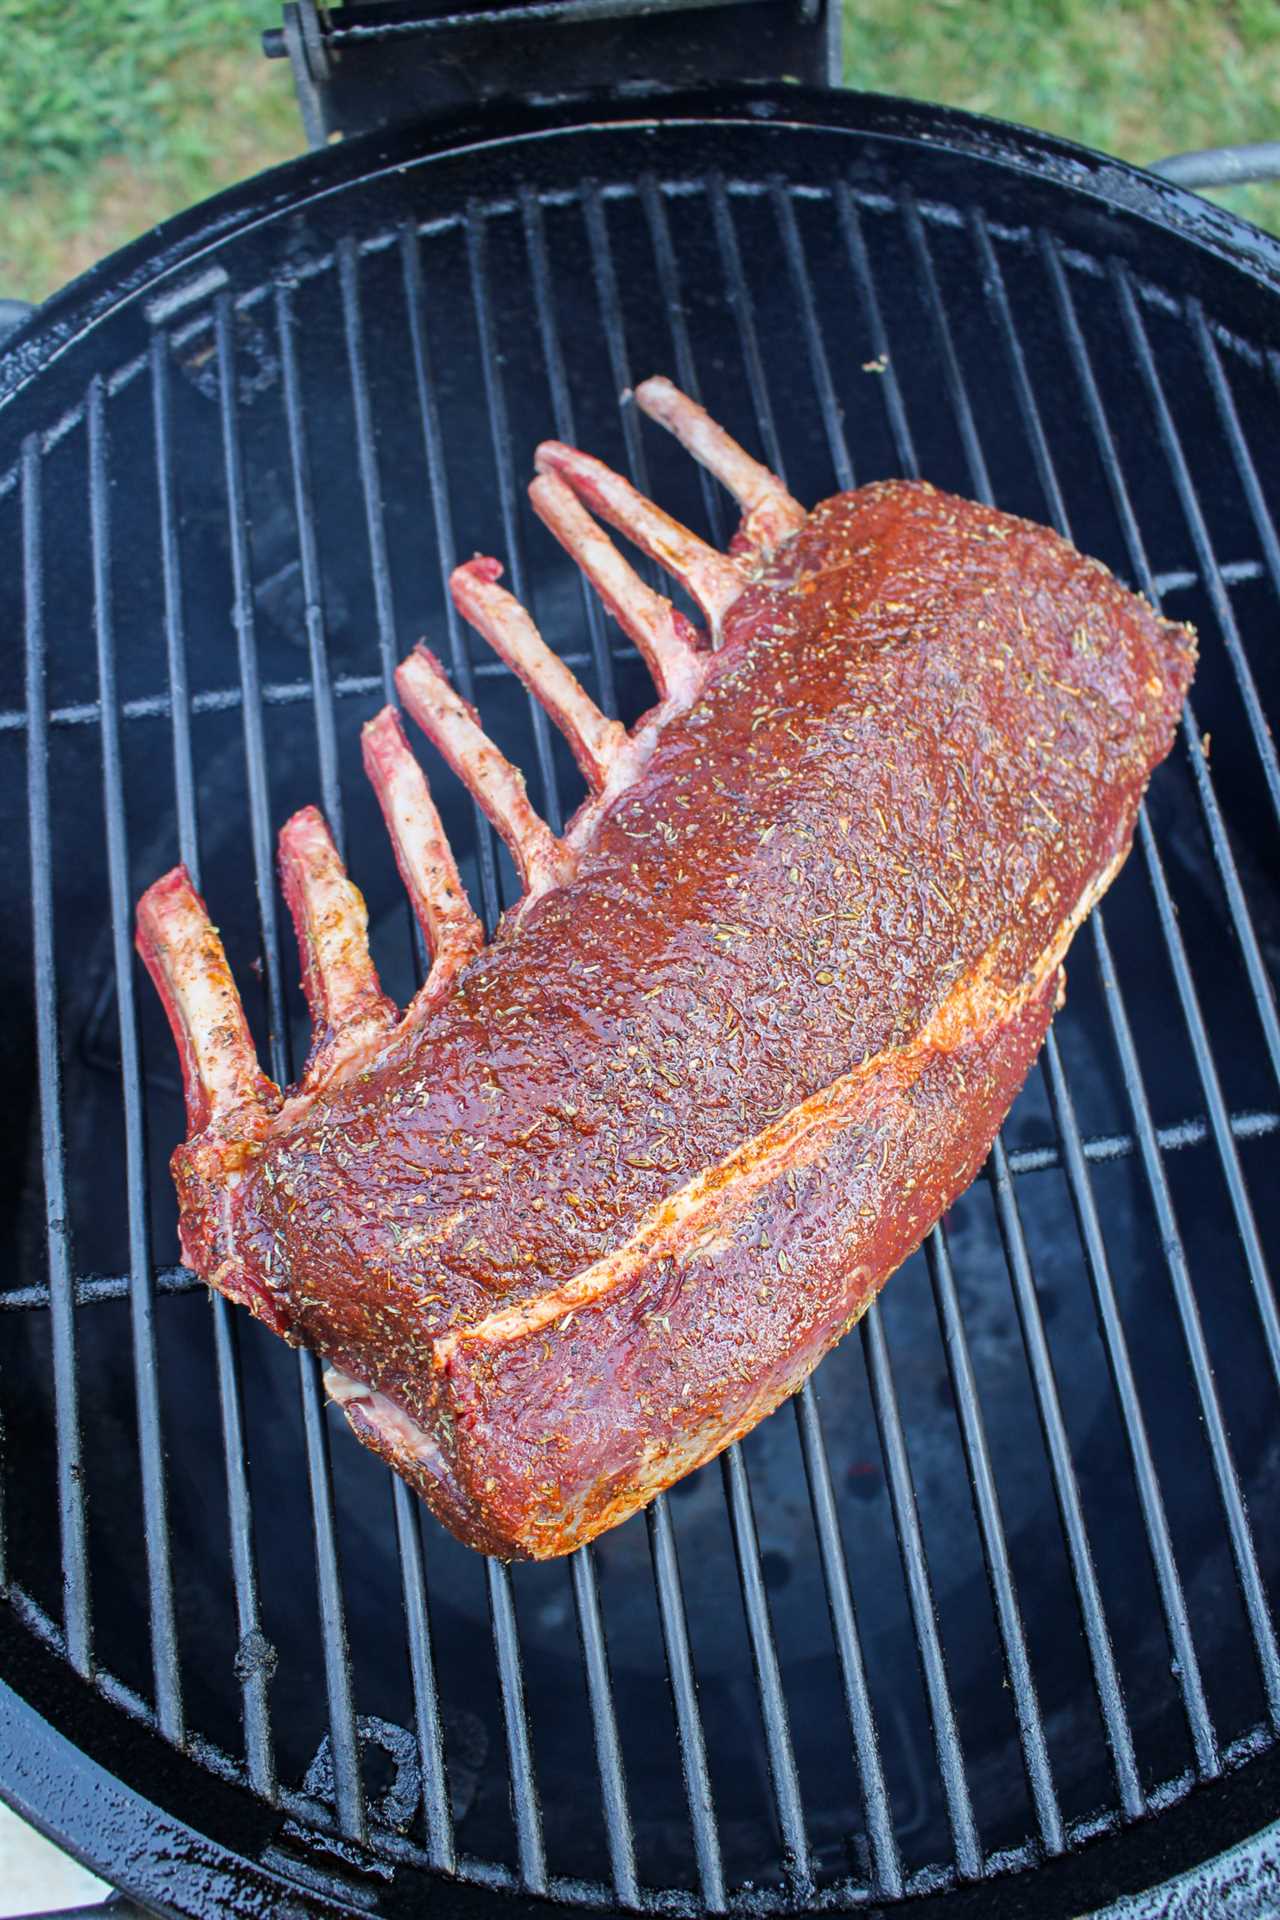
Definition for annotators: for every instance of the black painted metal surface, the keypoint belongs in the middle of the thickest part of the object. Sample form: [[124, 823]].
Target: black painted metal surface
[[386, 63], [987, 1617]]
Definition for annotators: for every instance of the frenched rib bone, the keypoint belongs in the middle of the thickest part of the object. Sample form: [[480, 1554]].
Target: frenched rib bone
[[596, 741], [613, 1183]]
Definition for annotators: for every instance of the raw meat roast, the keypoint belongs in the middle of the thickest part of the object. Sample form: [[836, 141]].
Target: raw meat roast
[[618, 1179]]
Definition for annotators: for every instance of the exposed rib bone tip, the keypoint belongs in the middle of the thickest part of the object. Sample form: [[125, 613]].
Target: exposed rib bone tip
[[769, 513], [180, 948], [408, 674], [714, 580], [665, 638], [376, 728], [174, 881], [455, 729], [655, 395], [423, 854], [549, 455], [303, 826], [510, 631], [348, 1008]]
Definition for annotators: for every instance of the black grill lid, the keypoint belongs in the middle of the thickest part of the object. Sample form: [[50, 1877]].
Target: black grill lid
[[987, 1618]]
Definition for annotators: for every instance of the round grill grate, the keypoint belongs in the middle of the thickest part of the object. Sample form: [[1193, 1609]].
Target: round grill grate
[[999, 1583]]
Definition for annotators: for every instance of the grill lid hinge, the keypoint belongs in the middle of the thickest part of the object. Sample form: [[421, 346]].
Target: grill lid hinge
[[382, 63]]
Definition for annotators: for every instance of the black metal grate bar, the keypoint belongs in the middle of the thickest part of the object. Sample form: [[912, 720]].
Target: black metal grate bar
[[608, 1749], [259, 799], [504, 464], [76, 1612], [446, 545], [367, 456], [964, 1387], [1110, 1325], [1066, 1487], [252, 1665], [1206, 1066], [915, 1567], [1224, 859], [953, 378], [1097, 1636], [1247, 1571], [535, 240], [253, 1679], [437, 1812], [782, 1768], [662, 1544], [358, 686], [741, 306], [1230, 1493], [1188, 996], [1118, 1146], [309, 560], [669, 285], [1229, 414], [348, 1785], [1202, 546], [684, 1694], [175, 640], [342, 1730], [413, 1585], [995, 1550], [164, 1648], [375, 523], [865, 284], [606, 285], [1264, 1000], [1028, 406], [886, 1863], [764, 1658], [525, 1809], [819, 366], [604, 1726], [1186, 1662]]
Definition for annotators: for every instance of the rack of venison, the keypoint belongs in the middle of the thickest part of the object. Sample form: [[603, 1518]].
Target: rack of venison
[[614, 1182]]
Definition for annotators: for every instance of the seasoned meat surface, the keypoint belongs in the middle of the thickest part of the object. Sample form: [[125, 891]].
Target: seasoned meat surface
[[595, 1210]]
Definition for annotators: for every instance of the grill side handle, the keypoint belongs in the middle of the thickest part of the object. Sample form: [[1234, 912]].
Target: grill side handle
[[1221, 166]]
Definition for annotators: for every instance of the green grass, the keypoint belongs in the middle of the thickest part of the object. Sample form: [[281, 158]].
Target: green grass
[[115, 113], [1140, 80]]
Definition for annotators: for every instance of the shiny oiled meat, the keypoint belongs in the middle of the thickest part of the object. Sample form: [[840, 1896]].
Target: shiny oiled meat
[[618, 1179]]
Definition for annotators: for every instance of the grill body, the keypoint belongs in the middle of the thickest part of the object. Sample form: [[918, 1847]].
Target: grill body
[[986, 1616]]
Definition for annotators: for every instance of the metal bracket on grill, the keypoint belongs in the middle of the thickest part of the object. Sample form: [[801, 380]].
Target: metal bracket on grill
[[386, 62]]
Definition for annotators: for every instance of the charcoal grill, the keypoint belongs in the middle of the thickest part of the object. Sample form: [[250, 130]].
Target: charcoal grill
[[984, 1620]]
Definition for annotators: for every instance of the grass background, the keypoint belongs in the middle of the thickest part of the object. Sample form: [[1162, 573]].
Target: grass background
[[115, 113]]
